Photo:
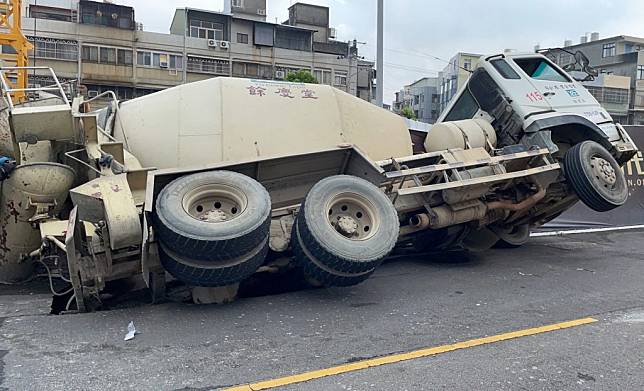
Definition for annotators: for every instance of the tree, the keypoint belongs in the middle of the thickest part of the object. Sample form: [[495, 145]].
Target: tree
[[407, 112], [301, 76]]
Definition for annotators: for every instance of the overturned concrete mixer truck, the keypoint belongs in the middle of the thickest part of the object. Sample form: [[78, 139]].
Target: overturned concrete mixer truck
[[202, 181]]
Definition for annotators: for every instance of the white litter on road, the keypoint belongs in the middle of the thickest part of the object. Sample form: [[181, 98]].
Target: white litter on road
[[584, 231], [131, 332]]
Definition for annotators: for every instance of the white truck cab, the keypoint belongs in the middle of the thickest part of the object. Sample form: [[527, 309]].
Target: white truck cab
[[524, 93]]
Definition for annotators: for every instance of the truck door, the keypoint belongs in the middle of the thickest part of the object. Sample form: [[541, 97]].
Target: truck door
[[526, 99], [561, 92]]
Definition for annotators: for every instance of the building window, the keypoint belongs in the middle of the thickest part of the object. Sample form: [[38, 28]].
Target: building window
[[238, 3], [467, 65], [207, 30], [107, 56], [340, 78], [323, 76], [616, 96], [242, 38], [54, 48], [176, 62], [253, 70], [208, 65], [124, 57], [608, 50], [640, 72], [159, 60], [144, 59], [90, 53]]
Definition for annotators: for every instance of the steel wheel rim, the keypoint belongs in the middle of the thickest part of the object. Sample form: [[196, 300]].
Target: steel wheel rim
[[352, 216], [604, 172], [215, 203]]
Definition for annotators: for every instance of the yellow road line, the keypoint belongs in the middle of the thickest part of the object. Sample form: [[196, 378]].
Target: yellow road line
[[395, 358]]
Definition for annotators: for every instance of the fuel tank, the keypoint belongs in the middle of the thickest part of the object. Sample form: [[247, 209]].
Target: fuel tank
[[475, 133]]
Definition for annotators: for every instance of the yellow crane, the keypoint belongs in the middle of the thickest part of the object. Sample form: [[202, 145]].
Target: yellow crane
[[11, 35]]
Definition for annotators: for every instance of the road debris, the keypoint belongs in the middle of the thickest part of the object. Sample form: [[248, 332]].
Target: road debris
[[131, 332]]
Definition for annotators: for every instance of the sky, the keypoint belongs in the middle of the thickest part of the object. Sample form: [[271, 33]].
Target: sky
[[418, 30]]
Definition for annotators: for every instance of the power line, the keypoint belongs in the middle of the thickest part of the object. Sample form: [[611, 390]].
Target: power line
[[427, 55], [411, 68]]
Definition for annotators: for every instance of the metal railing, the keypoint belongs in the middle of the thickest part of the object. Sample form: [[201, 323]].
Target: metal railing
[[8, 90]]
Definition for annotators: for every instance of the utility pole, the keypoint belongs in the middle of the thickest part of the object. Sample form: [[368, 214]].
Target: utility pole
[[380, 66]]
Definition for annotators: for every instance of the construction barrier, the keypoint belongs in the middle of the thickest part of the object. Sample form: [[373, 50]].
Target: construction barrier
[[631, 213]]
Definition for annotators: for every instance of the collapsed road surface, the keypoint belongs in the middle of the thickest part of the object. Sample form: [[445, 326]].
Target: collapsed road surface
[[408, 305]]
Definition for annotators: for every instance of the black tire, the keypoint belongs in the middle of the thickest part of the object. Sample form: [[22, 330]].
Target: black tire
[[212, 274], [184, 234], [322, 250], [512, 237], [592, 188], [316, 270]]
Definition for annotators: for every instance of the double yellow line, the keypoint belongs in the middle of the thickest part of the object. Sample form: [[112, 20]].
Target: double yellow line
[[396, 358]]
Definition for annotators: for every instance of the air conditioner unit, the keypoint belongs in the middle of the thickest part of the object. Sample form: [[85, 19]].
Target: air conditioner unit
[[224, 44], [163, 64], [332, 33], [280, 74], [261, 12], [212, 43]]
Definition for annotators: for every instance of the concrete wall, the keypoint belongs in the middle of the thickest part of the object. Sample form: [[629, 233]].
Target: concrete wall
[[255, 9]]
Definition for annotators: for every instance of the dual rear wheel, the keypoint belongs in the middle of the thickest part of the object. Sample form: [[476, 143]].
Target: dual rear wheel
[[213, 229]]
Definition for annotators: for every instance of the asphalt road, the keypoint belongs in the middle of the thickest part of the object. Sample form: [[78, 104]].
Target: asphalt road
[[408, 304]]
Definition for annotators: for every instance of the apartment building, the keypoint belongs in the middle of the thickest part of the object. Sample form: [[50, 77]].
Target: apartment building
[[422, 97], [614, 56], [454, 76], [102, 46], [613, 93]]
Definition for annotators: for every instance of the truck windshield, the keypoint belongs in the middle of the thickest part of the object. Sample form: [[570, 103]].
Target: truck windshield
[[539, 68], [464, 108]]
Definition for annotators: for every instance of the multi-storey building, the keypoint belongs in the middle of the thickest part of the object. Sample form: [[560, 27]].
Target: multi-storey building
[[422, 97], [454, 76], [620, 56], [102, 46], [613, 93]]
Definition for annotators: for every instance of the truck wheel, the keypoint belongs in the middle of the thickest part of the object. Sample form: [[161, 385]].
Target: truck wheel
[[316, 271], [513, 236], [212, 274], [213, 216], [345, 228], [595, 176]]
